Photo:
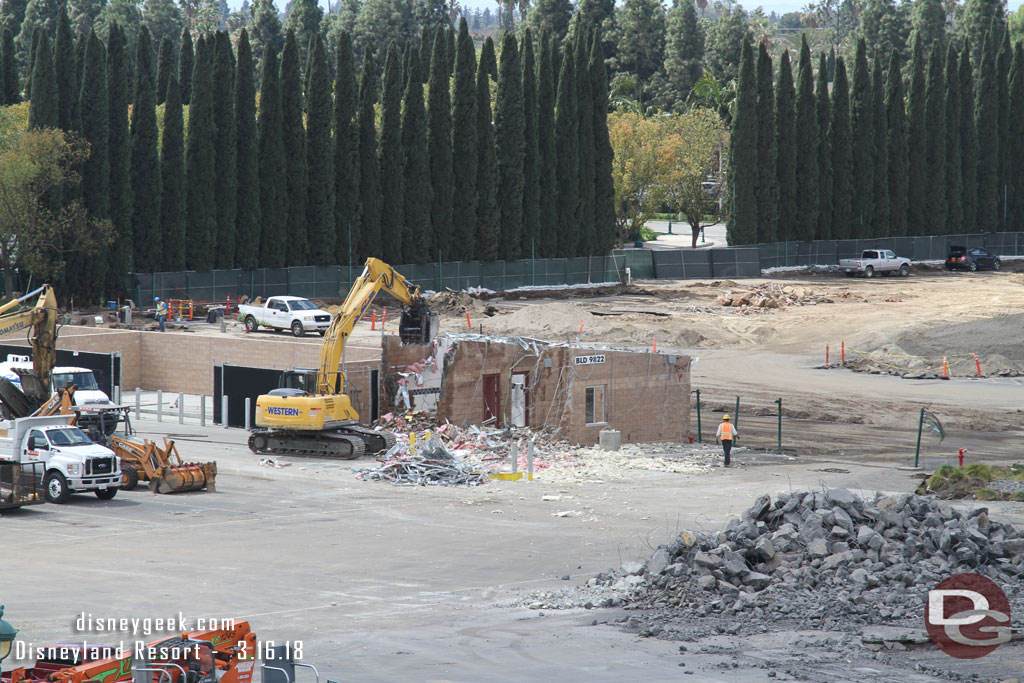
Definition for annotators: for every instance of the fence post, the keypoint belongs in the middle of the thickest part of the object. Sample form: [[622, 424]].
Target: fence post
[[224, 411], [181, 408], [779, 443], [248, 404], [202, 410], [920, 425], [700, 436], [159, 405]]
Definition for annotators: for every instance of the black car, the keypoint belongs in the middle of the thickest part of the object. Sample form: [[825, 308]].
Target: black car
[[971, 259]]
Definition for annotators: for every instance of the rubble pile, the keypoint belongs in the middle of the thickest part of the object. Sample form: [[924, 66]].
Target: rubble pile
[[822, 559], [430, 464], [774, 295]]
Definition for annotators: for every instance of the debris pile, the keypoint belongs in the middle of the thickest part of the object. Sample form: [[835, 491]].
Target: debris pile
[[823, 559], [774, 295], [430, 464]]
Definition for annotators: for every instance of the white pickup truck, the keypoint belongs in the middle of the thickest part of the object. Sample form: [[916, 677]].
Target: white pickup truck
[[285, 313], [874, 261], [71, 463]]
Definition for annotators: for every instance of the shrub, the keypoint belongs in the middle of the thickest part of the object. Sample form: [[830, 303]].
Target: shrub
[[986, 494]]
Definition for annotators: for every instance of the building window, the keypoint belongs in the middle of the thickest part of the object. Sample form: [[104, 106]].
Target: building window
[[595, 405]]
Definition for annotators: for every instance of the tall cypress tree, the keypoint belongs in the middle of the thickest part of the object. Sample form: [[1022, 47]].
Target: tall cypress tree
[[225, 190], [44, 108], [166, 65], [842, 155], [439, 146], [1003, 58], [531, 152], [368, 242], [896, 123], [954, 184], [273, 173], [742, 225], [186, 64], [201, 162], [66, 66], [805, 218], [9, 66], [391, 157], [785, 136], [767, 152], [604, 187], [509, 139], [33, 50], [935, 140], [585, 114], [247, 215], [880, 193], [91, 273], [320, 161], [464, 147], [863, 146], [968, 140], [120, 158], [1015, 192], [567, 153], [145, 163], [824, 115], [172, 177], [986, 114], [417, 241], [917, 134], [346, 146], [486, 179], [547, 232], [426, 51], [294, 150]]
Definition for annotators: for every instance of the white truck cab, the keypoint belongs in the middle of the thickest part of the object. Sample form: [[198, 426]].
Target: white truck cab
[[88, 392], [71, 463], [293, 313]]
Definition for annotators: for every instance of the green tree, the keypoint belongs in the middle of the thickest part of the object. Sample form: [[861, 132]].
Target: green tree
[[954, 184], [975, 20], [767, 152], [585, 115], [186, 64], [842, 156], [265, 29], [439, 145], [807, 209], [145, 164], [604, 187], [91, 275], [304, 20], [44, 109], [486, 179], [531, 151], [381, 21], [929, 23], [165, 20], [509, 140], [248, 217], [294, 139], [172, 177], [346, 150], [567, 174], [120, 157], [166, 65], [986, 115], [320, 161], [12, 14], [33, 50], [547, 231], [201, 162], [225, 190], [464, 147], [968, 140], [684, 55], [488, 59], [917, 178], [9, 67], [39, 15], [724, 43], [880, 183], [551, 16], [417, 241], [863, 146], [640, 44], [83, 15], [370, 198], [824, 116], [66, 67], [1015, 193], [743, 171], [885, 26], [935, 141], [1003, 59], [426, 51], [786, 144], [896, 124], [126, 14], [273, 173], [391, 157]]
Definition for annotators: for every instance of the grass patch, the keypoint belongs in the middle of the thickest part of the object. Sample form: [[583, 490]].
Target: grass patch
[[986, 494], [979, 470], [972, 481]]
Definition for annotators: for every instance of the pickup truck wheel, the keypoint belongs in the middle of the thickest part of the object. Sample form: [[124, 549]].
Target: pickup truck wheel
[[996, 265], [297, 329], [129, 477], [973, 267], [251, 324], [904, 270], [106, 494], [56, 486], [323, 333], [869, 271]]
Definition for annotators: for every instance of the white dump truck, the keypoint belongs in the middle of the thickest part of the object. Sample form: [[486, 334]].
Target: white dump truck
[[285, 313], [71, 463]]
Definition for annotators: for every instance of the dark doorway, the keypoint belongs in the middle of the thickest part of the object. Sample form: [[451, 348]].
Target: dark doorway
[[492, 399]]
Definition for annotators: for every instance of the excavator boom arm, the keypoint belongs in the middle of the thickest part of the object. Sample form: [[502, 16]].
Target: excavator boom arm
[[43, 319]]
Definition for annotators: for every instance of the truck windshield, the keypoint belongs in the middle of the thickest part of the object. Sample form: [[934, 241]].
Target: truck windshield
[[85, 381], [302, 305], [71, 436]]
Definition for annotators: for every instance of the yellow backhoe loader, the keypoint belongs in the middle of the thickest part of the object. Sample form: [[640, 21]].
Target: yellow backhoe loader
[[309, 414], [41, 319]]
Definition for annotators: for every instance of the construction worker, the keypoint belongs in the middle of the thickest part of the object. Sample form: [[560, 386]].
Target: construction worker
[[161, 312], [726, 435]]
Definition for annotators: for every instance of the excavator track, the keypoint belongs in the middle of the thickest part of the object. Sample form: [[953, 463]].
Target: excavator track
[[375, 441], [344, 443]]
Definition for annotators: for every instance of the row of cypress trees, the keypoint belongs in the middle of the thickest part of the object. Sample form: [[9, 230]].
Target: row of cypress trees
[[876, 158], [310, 179]]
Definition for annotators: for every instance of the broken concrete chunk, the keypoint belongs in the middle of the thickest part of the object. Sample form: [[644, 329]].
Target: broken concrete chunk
[[708, 561], [840, 497]]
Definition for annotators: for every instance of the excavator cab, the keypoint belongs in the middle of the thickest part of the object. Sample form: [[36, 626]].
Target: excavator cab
[[418, 324]]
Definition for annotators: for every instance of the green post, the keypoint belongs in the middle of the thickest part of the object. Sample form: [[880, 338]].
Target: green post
[[440, 271], [533, 261], [700, 437], [778, 448], [350, 253], [920, 425], [736, 415]]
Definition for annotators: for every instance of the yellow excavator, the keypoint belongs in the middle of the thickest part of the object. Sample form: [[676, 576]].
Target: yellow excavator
[[42, 320], [309, 414]]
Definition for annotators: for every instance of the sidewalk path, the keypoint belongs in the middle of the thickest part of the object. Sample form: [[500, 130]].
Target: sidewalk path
[[714, 236]]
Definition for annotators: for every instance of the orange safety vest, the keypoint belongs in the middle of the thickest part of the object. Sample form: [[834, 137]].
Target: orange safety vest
[[727, 432]]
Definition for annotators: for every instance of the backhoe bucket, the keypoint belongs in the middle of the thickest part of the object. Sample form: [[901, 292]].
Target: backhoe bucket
[[163, 467], [418, 324], [190, 476]]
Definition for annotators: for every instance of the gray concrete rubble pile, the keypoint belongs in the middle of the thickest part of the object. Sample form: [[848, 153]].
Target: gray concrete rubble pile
[[828, 558]]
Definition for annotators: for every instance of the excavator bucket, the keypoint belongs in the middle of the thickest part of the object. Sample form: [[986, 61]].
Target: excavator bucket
[[190, 476], [418, 324], [162, 467]]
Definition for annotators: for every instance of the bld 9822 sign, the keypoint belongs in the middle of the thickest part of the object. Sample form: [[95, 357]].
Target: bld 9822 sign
[[588, 360]]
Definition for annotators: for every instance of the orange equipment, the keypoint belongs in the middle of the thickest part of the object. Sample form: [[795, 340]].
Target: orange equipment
[[163, 468]]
